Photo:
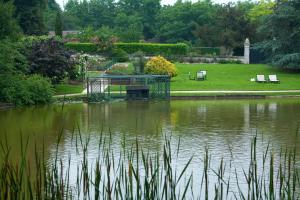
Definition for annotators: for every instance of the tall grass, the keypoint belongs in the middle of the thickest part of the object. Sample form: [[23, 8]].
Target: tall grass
[[135, 174]]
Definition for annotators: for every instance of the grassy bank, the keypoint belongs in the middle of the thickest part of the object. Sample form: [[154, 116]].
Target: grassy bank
[[62, 89], [134, 174], [232, 77]]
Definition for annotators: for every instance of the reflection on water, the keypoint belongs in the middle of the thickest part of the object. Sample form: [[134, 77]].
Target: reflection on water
[[226, 127]]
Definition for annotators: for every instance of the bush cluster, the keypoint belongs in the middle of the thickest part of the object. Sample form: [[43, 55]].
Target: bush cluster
[[25, 90], [82, 47], [154, 49], [159, 65], [49, 58], [119, 55]]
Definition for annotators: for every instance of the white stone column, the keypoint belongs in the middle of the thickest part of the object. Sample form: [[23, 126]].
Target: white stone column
[[247, 51]]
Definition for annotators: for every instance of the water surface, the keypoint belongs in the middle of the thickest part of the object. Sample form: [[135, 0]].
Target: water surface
[[226, 127]]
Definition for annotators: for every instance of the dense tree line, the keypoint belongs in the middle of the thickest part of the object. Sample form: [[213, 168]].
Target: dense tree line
[[202, 23], [29, 64], [272, 26]]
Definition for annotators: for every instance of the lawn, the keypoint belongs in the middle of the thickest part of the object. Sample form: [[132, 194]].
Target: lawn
[[232, 77], [61, 89]]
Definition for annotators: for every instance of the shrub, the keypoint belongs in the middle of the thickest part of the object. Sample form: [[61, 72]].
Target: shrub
[[40, 89], [49, 58], [154, 49], [159, 65], [82, 47], [119, 55], [22, 90]]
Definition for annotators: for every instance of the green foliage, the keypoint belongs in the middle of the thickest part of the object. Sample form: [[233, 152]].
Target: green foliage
[[9, 27], [50, 15], [82, 47], [39, 88], [103, 38], [154, 49], [263, 8], [58, 25], [282, 45], [30, 15], [11, 58], [22, 90], [15, 86], [159, 65], [206, 50], [119, 55]]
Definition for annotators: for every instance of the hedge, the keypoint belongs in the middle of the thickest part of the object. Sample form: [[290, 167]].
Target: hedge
[[147, 48], [207, 50], [82, 47], [154, 49]]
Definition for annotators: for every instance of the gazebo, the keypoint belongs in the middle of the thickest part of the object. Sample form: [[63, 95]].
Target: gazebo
[[130, 87]]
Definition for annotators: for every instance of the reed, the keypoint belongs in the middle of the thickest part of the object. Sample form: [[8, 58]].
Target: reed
[[135, 174]]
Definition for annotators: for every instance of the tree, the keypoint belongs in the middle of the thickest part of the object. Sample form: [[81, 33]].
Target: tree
[[281, 28], [58, 25], [50, 14], [234, 26], [30, 14], [49, 58], [9, 27]]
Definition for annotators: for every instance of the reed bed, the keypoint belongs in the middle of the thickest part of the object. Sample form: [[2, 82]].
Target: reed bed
[[135, 174]]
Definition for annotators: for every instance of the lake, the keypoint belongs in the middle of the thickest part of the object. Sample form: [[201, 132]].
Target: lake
[[226, 128]]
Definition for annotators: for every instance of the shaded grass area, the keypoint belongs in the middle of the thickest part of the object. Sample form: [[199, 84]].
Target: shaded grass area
[[232, 77], [67, 89]]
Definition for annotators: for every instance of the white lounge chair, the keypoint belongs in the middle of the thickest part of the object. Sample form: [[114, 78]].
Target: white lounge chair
[[273, 79], [260, 78], [201, 75]]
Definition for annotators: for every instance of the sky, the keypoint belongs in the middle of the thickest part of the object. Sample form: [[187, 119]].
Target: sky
[[164, 2]]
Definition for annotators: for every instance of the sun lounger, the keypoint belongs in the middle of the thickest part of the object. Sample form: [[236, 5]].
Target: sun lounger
[[273, 79], [260, 78], [201, 75]]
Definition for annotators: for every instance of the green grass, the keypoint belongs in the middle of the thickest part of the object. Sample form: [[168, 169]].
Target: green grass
[[68, 89], [93, 73], [232, 77]]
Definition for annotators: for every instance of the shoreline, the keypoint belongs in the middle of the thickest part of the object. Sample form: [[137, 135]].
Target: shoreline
[[194, 96]]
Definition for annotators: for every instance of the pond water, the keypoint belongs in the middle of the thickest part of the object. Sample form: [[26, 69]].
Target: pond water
[[225, 127]]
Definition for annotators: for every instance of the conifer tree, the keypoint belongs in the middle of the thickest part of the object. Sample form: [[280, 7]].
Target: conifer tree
[[58, 25]]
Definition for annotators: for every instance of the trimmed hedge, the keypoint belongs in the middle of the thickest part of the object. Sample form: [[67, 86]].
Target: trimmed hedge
[[147, 48], [154, 49], [82, 47], [207, 50]]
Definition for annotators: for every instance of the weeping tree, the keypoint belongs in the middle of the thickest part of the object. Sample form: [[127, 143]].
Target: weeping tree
[[282, 31]]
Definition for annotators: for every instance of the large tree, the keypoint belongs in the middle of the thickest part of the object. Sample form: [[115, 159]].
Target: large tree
[[9, 27], [30, 14], [282, 30]]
